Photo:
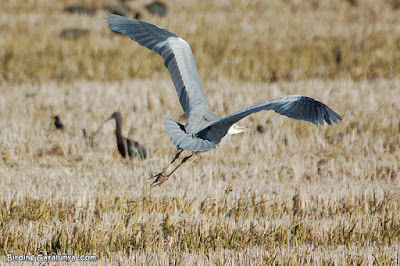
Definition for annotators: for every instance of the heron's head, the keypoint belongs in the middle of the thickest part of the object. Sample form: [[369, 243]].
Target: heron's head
[[236, 129]]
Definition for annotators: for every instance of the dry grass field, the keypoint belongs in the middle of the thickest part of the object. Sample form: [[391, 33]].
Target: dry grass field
[[292, 193]]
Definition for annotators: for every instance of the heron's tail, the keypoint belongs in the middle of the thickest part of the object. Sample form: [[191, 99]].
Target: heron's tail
[[186, 141]]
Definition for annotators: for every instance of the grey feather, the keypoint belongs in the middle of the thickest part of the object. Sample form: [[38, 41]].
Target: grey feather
[[176, 53], [204, 130], [307, 107], [183, 140]]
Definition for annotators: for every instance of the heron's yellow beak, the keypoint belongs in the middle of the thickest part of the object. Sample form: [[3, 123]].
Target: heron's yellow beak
[[236, 129], [243, 129]]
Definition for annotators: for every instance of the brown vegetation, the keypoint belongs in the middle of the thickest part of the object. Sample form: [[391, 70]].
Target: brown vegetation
[[294, 193]]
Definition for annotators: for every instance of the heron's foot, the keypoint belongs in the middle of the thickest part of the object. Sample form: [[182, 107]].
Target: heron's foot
[[161, 178]]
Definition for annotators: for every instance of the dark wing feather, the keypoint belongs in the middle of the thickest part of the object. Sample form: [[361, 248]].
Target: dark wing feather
[[293, 106]]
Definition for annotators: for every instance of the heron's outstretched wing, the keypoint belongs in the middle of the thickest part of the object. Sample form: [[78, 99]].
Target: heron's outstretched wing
[[177, 54], [293, 106]]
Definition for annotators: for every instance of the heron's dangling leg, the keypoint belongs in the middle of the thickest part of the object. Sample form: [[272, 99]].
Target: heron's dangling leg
[[182, 162], [161, 178], [177, 154]]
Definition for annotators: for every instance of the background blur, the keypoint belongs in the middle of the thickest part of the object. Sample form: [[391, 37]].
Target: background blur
[[288, 193], [255, 41]]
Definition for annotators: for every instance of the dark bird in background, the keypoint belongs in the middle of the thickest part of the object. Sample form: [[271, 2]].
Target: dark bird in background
[[58, 123], [157, 8], [204, 130], [124, 144], [353, 2], [73, 33], [80, 9], [337, 54], [122, 10]]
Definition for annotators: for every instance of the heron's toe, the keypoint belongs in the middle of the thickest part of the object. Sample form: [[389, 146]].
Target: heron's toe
[[161, 178]]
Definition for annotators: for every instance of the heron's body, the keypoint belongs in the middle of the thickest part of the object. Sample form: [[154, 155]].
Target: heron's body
[[204, 130]]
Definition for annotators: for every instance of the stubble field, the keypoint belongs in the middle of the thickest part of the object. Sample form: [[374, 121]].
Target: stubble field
[[292, 193]]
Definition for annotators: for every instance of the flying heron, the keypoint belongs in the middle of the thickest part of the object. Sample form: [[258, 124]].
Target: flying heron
[[204, 130], [124, 144]]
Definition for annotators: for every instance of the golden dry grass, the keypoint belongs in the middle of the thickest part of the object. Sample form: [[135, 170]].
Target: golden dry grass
[[295, 194], [249, 40]]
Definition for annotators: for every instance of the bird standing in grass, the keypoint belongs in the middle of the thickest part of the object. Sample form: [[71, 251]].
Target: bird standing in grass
[[124, 144], [204, 130], [57, 122]]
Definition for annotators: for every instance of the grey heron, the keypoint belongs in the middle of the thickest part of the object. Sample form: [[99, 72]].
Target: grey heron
[[204, 130], [123, 143]]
